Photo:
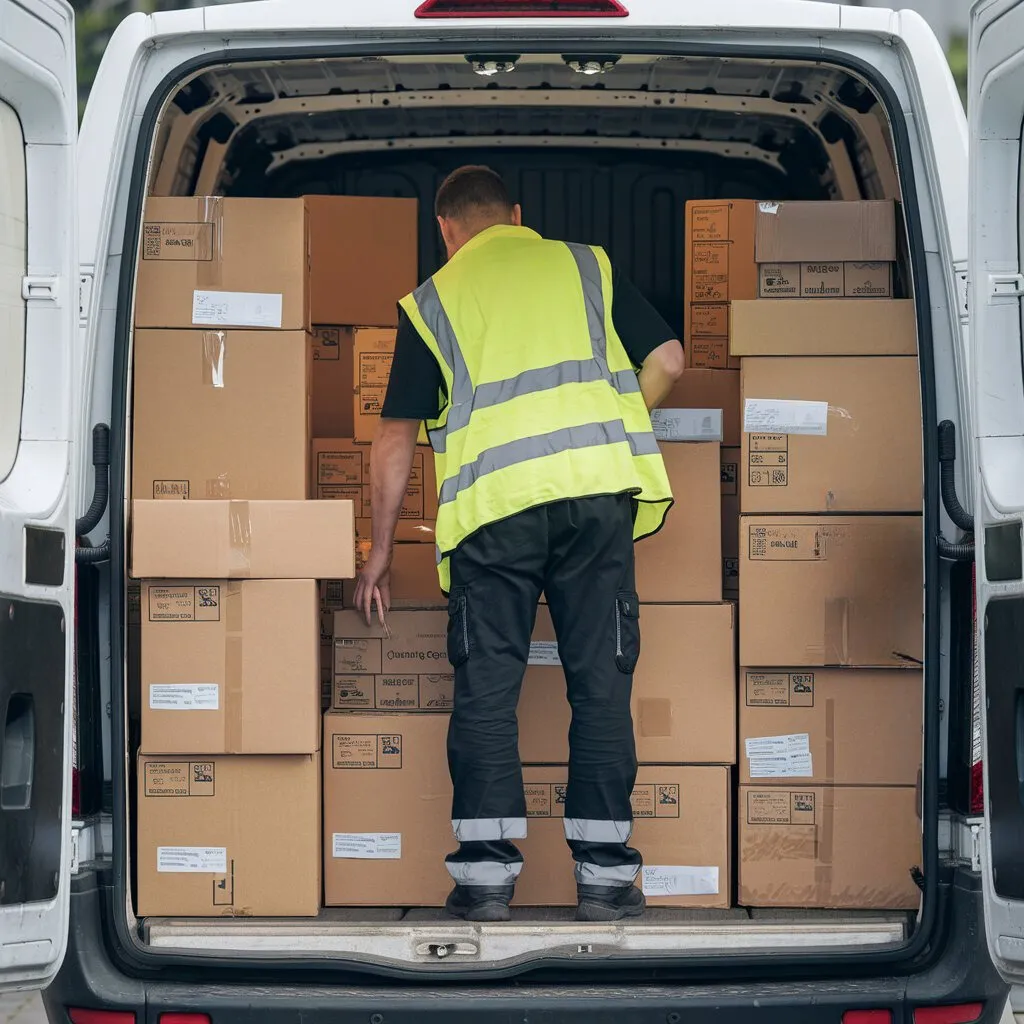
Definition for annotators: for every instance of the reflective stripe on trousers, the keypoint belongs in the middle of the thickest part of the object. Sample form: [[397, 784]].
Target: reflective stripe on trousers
[[485, 872], [480, 830], [613, 875], [590, 830]]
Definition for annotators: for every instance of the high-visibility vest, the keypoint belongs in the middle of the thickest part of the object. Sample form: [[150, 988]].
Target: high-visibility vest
[[543, 403]]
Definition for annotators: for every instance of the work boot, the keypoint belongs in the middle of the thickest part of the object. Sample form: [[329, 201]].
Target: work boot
[[480, 902], [608, 902]]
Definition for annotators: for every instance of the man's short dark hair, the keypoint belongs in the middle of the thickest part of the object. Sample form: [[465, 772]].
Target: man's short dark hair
[[471, 191]]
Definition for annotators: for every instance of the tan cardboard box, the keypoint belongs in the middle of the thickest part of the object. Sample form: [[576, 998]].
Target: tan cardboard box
[[229, 836], [230, 667], [425, 692], [830, 727], [840, 327], [682, 561], [684, 689], [846, 846], [710, 389], [243, 540], [364, 258], [374, 351], [414, 579], [870, 458], [221, 414], [832, 590], [213, 262], [797, 232], [331, 394], [731, 522], [413, 642], [825, 280]]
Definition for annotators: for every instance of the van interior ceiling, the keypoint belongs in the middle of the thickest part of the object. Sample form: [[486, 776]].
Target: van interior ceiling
[[603, 149]]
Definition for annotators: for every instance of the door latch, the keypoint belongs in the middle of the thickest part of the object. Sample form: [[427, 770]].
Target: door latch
[[39, 289], [1005, 286]]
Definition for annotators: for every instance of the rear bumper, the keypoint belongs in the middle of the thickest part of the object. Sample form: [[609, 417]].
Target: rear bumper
[[960, 972]]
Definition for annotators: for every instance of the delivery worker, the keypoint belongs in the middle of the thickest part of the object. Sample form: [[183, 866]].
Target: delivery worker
[[522, 356]]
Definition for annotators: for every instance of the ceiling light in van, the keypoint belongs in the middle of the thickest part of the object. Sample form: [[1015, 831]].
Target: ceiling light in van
[[521, 9], [590, 64], [493, 64]]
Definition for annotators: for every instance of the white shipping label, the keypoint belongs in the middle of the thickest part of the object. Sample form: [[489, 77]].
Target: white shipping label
[[687, 424], [237, 309], [785, 416], [192, 859], [780, 757], [367, 845], [678, 880], [544, 652], [184, 697]]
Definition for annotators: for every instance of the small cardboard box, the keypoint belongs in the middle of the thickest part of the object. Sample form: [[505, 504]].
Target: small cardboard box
[[831, 591], [414, 579], [835, 232], [825, 280], [221, 414], [682, 561], [832, 847], [839, 327], [331, 389], [413, 642], [830, 727], [684, 689], [363, 256], [230, 667], [710, 389], [730, 471], [229, 836], [243, 540], [213, 262], [868, 457], [374, 352]]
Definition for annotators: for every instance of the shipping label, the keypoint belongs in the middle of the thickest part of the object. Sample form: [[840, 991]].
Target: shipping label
[[184, 604], [780, 807], [780, 689], [184, 241], [768, 460], [687, 424], [362, 750], [678, 880], [779, 757], [184, 697], [785, 416], [544, 652], [367, 845], [179, 778], [192, 860], [655, 800], [237, 309]]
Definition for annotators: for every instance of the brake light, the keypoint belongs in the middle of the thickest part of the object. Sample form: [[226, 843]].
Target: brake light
[[184, 1018], [867, 1017], [962, 1013], [80, 1016], [976, 793], [521, 9]]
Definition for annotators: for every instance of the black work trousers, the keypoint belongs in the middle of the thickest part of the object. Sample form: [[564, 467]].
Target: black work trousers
[[579, 553]]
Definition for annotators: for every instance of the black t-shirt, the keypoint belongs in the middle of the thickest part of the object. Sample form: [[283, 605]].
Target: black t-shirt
[[416, 384]]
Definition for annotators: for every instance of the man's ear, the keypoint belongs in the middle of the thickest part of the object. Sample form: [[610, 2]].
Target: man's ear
[[517, 215]]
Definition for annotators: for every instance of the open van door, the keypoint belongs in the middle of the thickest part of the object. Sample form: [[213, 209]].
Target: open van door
[[38, 377], [996, 116]]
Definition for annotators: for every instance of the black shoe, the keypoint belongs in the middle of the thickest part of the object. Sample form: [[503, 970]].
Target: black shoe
[[480, 903], [608, 902]]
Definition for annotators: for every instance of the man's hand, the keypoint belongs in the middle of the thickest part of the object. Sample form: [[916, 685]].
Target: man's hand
[[374, 586]]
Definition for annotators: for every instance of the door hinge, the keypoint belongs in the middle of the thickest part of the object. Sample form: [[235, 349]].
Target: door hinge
[[976, 840], [39, 289], [1005, 286], [962, 293], [84, 296]]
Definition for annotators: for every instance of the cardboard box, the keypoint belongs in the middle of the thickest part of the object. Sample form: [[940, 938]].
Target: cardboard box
[[830, 727], [229, 836], [214, 262], [374, 353], [684, 689], [230, 667], [833, 590], [870, 459], [800, 231], [428, 691], [840, 327], [221, 414], [242, 540], [825, 280], [846, 846], [730, 471], [710, 389], [331, 394], [332, 599], [682, 561], [364, 258], [414, 579]]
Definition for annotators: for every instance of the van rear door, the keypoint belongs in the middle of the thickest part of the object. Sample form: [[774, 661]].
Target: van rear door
[[996, 115], [38, 376]]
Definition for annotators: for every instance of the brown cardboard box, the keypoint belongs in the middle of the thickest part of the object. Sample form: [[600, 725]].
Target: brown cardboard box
[[684, 689], [870, 459], [845, 846], [229, 836], [730, 522], [831, 590], [230, 667], [681, 826], [242, 540], [710, 389], [221, 414], [830, 727], [797, 232], [825, 280], [331, 394], [432, 691], [374, 351], [414, 579], [212, 262], [682, 561], [364, 255], [840, 327]]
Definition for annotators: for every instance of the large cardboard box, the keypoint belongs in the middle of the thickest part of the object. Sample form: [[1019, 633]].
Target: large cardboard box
[[331, 403], [230, 667], [243, 540], [684, 689], [229, 836], [374, 352], [682, 561], [731, 522], [364, 256], [414, 579], [214, 262], [710, 389], [799, 231], [832, 590], [221, 414], [867, 457], [838, 847], [840, 327], [830, 726]]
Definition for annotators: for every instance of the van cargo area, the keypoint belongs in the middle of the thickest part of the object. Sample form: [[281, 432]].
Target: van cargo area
[[628, 151]]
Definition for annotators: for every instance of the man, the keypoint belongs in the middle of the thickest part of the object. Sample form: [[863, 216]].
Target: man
[[547, 471]]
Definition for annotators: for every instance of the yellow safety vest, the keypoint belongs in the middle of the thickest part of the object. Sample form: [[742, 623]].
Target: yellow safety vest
[[543, 403]]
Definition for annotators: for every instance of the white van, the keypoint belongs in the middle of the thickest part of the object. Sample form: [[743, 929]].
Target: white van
[[605, 116]]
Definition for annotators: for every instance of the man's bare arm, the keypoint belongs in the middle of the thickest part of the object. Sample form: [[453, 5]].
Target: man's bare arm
[[661, 369], [394, 446]]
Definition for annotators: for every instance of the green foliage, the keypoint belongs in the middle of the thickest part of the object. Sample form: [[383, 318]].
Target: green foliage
[[958, 64], [93, 29]]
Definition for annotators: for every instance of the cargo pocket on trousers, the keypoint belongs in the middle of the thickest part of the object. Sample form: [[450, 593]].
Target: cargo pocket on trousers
[[627, 630], [458, 627]]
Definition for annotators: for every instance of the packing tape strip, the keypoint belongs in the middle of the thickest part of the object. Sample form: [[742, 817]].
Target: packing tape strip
[[210, 268], [830, 741], [825, 846], [234, 709], [240, 540], [214, 349]]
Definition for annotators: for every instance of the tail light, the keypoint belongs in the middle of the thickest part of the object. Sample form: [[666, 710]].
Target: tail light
[[867, 1017], [521, 9], [976, 799], [79, 1015], [962, 1013]]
